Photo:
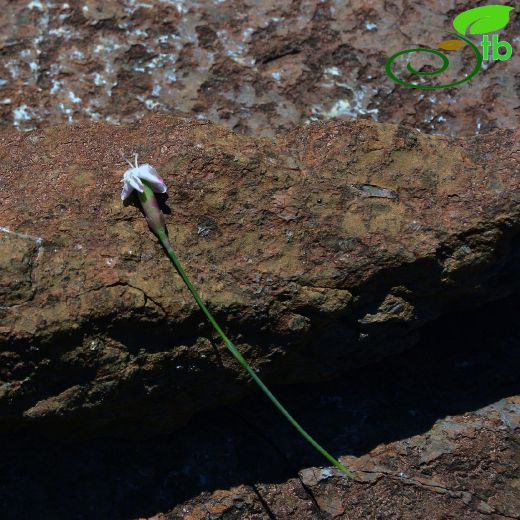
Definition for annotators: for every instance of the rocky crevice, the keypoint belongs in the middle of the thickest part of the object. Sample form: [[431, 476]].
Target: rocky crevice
[[326, 249], [431, 432]]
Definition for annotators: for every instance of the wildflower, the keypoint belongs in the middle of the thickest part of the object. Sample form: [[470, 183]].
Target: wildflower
[[132, 179], [145, 180]]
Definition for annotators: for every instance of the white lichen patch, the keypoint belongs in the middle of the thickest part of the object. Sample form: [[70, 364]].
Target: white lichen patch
[[276, 75], [64, 32], [72, 96], [22, 114], [357, 105], [68, 111], [235, 49], [56, 85], [333, 71], [35, 4], [180, 5]]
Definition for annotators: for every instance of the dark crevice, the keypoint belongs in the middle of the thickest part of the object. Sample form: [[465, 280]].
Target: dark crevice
[[265, 505], [283, 456], [278, 54], [335, 341], [463, 362]]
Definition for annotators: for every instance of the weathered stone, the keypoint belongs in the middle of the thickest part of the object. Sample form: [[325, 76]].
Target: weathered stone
[[257, 66], [462, 466], [320, 251], [432, 433]]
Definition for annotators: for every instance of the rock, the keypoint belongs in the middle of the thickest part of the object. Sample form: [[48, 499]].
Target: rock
[[257, 66], [431, 433], [464, 466], [310, 273]]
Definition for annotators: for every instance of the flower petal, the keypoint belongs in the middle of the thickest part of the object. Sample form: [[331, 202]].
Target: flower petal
[[135, 182], [132, 180], [127, 190], [149, 174]]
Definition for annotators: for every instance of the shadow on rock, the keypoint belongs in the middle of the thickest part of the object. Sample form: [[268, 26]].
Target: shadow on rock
[[464, 362]]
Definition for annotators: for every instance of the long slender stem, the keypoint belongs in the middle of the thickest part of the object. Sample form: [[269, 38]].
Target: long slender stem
[[229, 344]]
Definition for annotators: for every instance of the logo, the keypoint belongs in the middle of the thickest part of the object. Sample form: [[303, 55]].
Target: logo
[[480, 20]]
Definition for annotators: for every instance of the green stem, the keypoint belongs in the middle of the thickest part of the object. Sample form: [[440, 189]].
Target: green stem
[[160, 231]]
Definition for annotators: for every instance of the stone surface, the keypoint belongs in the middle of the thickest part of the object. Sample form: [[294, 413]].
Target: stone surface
[[330, 248], [257, 66], [323, 250], [433, 434]]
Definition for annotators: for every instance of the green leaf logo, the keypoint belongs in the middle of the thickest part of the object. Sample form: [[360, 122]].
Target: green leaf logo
[[485, 19]]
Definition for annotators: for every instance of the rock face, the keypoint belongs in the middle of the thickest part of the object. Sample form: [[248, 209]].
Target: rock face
[[257, 66], [320, 251], [319, 246], [433, 433]]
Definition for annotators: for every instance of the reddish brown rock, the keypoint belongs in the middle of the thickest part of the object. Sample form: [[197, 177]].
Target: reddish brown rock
[[327, 249], [460, 466], [432, 433], [256, 66], [321, 251]]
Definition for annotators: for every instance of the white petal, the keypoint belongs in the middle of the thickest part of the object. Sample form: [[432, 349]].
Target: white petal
[[149, 174], [132, 180], [127, 187], [136, 183], [126, 191]]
